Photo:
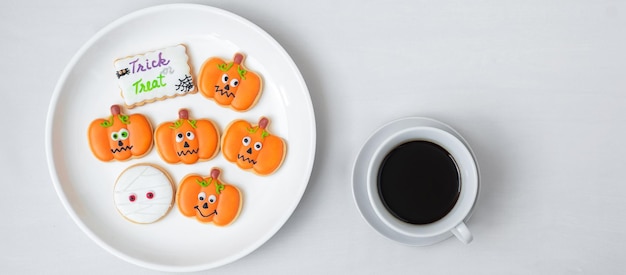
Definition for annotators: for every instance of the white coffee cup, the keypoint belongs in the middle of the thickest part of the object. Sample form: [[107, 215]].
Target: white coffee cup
[[365, 186]]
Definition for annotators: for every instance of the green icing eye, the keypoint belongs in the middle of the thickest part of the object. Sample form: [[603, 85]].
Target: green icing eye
[[114, 136], [123, 133]]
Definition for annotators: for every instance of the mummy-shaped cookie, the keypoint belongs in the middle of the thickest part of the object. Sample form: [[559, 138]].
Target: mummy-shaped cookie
[[144, 193]]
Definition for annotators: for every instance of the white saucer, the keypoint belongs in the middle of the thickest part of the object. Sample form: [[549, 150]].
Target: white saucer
[[359, 175]]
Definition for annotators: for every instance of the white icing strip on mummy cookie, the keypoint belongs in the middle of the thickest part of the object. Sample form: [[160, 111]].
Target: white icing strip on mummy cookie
[[143, 194], [155, 75]]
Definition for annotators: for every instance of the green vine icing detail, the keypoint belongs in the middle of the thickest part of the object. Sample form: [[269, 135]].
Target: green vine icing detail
[[123, 118], [203, 182], [242, 72], [180, 122], [264, 134], [108, 123], [176, 124], [192, 123], [218, 186], [224, 67]]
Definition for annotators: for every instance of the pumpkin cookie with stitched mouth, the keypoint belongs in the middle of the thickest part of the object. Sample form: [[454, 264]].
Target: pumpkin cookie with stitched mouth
[[230, 84], [186, 140], [253, 147], [120, 137]]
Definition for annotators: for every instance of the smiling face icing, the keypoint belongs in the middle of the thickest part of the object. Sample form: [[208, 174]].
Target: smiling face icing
[[208, 199], [143, 193]]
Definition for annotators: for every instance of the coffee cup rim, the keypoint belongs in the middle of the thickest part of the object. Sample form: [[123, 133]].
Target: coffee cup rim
[[365, 171]]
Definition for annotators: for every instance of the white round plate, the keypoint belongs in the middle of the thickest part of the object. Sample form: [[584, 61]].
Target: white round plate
[[88, 87], [360, 172]]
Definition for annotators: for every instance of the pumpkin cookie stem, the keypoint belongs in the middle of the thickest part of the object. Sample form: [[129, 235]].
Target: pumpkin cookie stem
[[115, 110], [263, 122], [183, 114], [238, 58], [215, 173]]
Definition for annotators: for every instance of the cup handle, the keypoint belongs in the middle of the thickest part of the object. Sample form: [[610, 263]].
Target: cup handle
[[462, 233]]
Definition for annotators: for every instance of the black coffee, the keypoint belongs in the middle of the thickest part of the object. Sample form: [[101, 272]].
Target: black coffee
[[418, 182]]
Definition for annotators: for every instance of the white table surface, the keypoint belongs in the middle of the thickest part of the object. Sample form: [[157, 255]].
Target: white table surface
[[538, 88]]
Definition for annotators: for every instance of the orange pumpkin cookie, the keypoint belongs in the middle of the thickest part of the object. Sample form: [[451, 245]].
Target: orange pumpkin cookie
[[253, 147], [208, 199], [229, 83], [186, 140], [120, 136]]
